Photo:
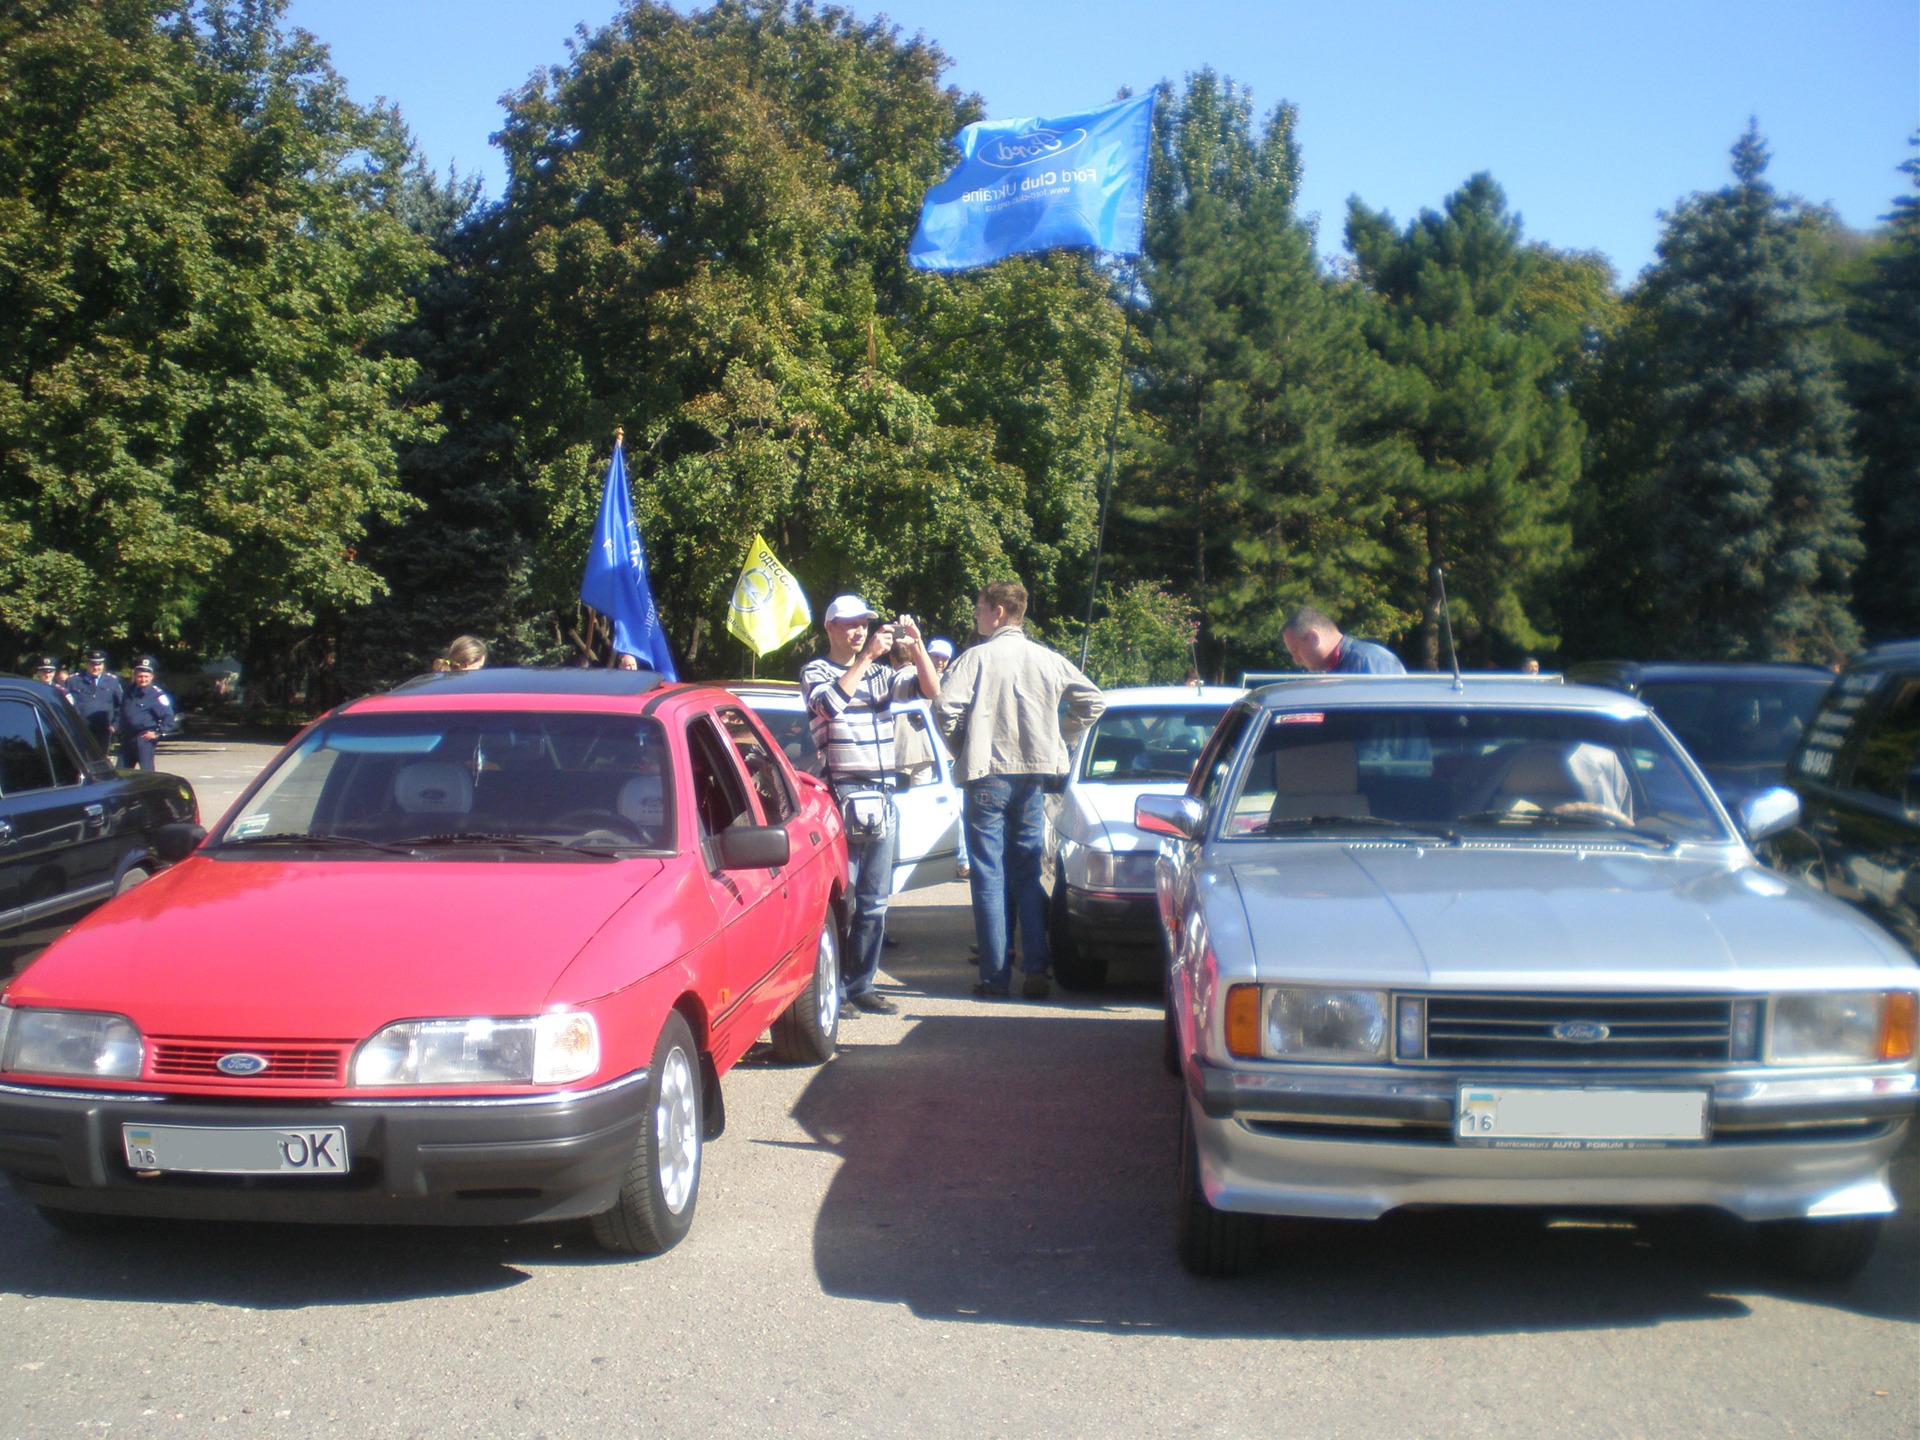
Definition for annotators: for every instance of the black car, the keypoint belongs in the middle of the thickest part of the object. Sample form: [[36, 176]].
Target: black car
[[73, 830], [1740, 722], [1858, 776]]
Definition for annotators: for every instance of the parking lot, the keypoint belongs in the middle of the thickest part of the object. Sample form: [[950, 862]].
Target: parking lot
[[960, 1226]]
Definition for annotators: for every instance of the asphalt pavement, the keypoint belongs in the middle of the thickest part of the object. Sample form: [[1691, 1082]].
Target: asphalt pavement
[[962, 1225]]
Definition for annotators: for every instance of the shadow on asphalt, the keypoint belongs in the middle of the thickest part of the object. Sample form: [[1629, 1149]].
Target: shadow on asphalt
[[1018, 1167]]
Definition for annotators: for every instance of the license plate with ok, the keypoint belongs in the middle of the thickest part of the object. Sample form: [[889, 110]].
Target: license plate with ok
[[1578, 1118], [238, 1149]]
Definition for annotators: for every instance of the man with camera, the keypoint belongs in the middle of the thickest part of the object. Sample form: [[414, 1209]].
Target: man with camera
[[850, 694]]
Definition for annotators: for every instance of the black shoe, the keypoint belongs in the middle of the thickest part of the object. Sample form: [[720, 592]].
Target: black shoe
[[873, 1002], [991, 992]]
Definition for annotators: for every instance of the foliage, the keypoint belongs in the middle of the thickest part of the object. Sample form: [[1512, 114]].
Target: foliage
[[1751, 535], [1144, 635], [1482, 333], [200, 262]]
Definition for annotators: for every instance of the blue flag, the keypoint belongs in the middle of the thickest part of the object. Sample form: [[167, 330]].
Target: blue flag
[[1077, 181], [615, 583]]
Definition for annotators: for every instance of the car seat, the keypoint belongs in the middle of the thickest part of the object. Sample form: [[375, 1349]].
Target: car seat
[[1322, 779]]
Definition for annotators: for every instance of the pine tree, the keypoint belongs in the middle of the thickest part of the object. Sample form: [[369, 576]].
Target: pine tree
[[1753, 539], [1885, 386]]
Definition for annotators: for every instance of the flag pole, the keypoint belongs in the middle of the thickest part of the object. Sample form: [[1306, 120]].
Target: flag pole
[[619, 439], [1106, 487]]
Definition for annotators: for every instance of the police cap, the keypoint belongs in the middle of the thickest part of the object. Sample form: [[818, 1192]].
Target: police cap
[[45, 662], [93, 655], [144, 662]]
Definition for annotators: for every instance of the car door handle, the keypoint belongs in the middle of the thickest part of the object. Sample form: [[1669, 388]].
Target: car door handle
[[6, 832], [96, 814]]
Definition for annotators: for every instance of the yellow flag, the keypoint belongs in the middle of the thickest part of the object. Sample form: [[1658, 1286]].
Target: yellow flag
[[768, 607]]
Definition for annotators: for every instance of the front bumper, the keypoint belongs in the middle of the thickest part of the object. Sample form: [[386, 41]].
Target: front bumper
[[1298, 1140], [1115, 922], [432, 1161]]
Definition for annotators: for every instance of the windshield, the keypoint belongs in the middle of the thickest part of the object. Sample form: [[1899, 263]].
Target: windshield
[[1457, 774], [1135, 746], [1740, 727], [411, 784]]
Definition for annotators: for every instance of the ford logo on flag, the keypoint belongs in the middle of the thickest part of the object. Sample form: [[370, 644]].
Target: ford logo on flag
[[1008, 152], [241, 1063], [1580, 1032]]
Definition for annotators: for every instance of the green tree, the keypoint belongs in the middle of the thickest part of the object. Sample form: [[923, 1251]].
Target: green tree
[[1885, 385], [703, 239], [200, 264], [1250, 489], [1482, 333], [1751, 534]]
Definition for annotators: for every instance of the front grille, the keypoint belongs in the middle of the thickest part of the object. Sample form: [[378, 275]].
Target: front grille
[[1638, 1030], [295, 1062]]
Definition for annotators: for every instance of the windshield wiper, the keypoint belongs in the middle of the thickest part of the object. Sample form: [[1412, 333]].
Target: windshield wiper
[[1372, 822], [1615, 827], [318, 842], [526, 844]]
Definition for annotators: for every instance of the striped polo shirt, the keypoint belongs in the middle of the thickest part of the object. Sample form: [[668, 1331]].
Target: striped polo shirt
[[854, 734]]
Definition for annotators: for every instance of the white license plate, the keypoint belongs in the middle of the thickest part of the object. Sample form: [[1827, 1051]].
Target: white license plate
[[1577, 1119], [237, 1150]]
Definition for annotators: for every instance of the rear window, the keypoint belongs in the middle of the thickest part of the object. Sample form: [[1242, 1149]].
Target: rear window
[[1139, 745]]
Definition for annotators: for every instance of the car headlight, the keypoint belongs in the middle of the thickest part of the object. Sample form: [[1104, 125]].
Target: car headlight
[[1842, 1027], [69, 1042], [1289, 1023], [532, 1050], [1120, 869]]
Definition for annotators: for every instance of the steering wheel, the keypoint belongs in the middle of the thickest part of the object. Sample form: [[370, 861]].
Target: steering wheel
[[1592, 810], [597, 827]]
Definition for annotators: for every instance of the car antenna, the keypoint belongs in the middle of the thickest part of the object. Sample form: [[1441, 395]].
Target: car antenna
[[1446, 624]]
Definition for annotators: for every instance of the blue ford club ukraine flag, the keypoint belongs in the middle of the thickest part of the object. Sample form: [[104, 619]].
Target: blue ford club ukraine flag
[[615, 582], [1079, 181]]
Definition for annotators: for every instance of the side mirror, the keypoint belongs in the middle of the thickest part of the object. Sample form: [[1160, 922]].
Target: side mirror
[[177, 841], [752, 847], [1175, 816], [1766, 813]]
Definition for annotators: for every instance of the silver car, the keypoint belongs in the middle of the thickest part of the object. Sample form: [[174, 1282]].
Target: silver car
[[1495, 942]]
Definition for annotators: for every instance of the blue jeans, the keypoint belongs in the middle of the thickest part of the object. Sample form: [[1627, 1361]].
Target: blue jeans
[[1006, 835], [870, 869]]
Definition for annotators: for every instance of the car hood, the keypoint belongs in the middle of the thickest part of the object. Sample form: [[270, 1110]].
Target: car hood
[[1404, 915], [333, 949], [1096, 811]]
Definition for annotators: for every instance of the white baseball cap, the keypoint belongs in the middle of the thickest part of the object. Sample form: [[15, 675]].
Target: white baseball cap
[[850, 607], [941, 648]]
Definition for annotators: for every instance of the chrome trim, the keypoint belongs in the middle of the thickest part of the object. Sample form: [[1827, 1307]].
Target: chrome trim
[[41, 1092], [256, 1100], [449, 1102]]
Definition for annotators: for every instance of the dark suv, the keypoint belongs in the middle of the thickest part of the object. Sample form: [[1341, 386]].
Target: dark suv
[[1858, 776], [1740, 722], [73, 830]]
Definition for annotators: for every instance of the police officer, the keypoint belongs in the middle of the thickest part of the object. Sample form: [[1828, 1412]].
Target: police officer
[[95, 693], [146, 713], [46, 671]]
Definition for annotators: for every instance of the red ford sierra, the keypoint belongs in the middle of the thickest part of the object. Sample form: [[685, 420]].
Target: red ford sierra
[[475, 951]]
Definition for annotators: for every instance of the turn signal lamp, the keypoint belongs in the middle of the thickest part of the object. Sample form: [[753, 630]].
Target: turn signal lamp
[[1243, 1021], [1899, 1019]]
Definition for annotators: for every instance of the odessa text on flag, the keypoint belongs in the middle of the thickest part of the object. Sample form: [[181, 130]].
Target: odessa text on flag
[[768, 607], [615, 582], [1075, 181]]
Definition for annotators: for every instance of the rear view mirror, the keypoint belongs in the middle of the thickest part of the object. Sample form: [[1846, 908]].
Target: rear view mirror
[[1766, 813], [1175, 816], [177, 841], [752, 847]]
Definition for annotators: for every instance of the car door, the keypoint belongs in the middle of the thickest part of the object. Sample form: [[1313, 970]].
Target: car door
[[752, 921], [801, 886], [928, 801], [56, 859], [1879, 822]]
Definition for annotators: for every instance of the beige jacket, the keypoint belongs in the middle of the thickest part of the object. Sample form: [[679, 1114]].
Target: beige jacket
[[999, 708]]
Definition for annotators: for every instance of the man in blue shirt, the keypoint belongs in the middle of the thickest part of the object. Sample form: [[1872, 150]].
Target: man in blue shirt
[[1316, 644], [146, 713], [95, 693]]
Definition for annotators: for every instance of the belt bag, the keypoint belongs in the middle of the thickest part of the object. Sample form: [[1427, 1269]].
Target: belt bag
[[865, 812]]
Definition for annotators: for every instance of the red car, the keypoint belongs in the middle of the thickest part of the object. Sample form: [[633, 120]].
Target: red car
[[475, 951]]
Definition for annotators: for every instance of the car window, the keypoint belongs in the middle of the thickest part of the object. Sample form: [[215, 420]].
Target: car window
[[1137, 745], [1738, 722], [1889, 759], [719, 797], [589, 780], [916, 758], [792, 731], [1820, 752], [1208, 780], [24, 760], [1519, 774], [769, 781]]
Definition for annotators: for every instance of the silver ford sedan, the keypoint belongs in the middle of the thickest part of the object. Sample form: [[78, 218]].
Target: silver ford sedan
[[1435, 942]]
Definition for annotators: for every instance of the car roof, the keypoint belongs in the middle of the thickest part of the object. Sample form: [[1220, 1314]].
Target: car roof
[[508, 688], [1642, 672], [1894, 652], [1493, 691], [1132, 696]]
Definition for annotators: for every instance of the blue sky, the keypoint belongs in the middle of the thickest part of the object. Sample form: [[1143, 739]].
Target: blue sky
[[1594, 116]]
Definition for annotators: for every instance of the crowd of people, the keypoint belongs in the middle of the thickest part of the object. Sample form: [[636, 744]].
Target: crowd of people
[[130, 715]]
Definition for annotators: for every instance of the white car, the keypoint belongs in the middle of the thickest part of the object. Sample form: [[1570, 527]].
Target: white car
[[1144, 743], [928, 797]]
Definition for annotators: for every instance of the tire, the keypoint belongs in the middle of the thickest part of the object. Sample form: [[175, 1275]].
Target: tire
[[136, 875], [1214, 1243], [1169, 1037], [1072, 966], [808, 1030], [1820, 1249], [662, 1185]]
